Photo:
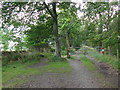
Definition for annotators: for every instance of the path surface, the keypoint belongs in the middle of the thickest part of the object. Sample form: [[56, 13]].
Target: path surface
[[80, 77], [109, 73]]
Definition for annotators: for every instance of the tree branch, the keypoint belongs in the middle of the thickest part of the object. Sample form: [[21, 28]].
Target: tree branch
[[48, 9], [54, 9]]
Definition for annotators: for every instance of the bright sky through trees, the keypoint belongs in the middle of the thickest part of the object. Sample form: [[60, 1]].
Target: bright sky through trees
[[79, 14], [21, 15]]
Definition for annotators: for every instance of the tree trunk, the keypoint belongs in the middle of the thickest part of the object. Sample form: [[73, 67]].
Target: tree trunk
[[109, 50], [118, 54], [100, 32], [68, 45], [55, 29], [118, 45]]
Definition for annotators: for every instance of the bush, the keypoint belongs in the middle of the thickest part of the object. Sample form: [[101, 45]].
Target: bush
[[30, 57], [72, 50], [47, 55], [10, 58], [106, 59], [21, 57], [5, 60], [16, 57], [77, 48], [52, 50], [56, 59], [63, 52], [24, 60]]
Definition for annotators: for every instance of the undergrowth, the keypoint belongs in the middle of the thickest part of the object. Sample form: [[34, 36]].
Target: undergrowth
[[18, 72], [111, 60]]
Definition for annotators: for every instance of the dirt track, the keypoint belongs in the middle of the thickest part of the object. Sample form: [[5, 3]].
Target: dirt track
[[80, 77]]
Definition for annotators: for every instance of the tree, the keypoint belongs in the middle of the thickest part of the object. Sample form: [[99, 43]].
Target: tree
[[38, 36], [69, 24], [23, 9], [55, 28], [98, 20]]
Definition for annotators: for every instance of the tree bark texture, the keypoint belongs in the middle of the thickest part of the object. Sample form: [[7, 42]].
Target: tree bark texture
[[55, 29]]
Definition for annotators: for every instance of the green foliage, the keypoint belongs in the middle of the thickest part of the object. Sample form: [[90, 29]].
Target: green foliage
[[57, 67], [47, 55], [38, 35], [72, 51], [111, 60], [69, 25], [52, 49], [10, 58], [72, 57], [21, 58], [84, 49], [56, 59], [99, 24], [63, 52]]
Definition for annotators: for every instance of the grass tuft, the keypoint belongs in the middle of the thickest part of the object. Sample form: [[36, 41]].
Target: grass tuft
[[87, 63]]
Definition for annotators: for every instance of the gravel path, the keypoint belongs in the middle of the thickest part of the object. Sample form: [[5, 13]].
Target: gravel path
[[80, 77]]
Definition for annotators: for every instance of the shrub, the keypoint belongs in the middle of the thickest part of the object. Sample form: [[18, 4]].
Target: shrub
[[56, 59], [63, 52], [30, 57], [47, 55], [20, 57], [5, 60], [10, 58], [52, 50], [15, 57]]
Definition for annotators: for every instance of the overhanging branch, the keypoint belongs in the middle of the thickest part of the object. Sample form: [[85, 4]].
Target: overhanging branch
[[48, 9]]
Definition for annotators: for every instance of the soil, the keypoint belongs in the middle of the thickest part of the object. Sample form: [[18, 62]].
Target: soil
[[110, 74], [80, 77]]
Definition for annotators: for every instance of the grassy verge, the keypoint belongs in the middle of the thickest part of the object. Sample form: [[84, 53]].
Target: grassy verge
[[72, 57], [87, 63], [17, 73], [12, 72], [0, 74], [111, 60]]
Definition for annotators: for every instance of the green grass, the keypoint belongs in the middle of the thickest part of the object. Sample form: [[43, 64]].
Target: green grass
[[72, 57], [111, 60], [10, 75], [0, 74], [87, 63], [16, 76], [57, 67]]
